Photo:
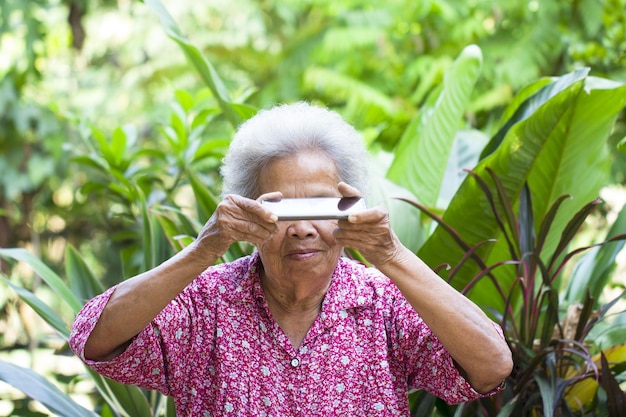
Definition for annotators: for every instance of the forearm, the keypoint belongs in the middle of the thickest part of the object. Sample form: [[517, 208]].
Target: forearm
[[465, 331], [137, 301]]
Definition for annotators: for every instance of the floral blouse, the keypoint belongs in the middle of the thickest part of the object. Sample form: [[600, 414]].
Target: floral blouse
[[217, 350]]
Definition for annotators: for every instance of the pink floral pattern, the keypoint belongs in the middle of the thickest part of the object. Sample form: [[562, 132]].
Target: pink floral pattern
[[217, 350]]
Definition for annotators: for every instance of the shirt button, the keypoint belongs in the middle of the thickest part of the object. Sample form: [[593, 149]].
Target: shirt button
[[295, 362]]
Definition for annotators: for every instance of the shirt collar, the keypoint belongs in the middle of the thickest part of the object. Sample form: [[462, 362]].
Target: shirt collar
[[348, 287]]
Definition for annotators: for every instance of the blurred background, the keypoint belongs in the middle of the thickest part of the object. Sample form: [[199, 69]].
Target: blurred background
[[94, 96]]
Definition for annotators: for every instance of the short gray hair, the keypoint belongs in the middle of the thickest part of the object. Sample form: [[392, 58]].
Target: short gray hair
[[286, 130]]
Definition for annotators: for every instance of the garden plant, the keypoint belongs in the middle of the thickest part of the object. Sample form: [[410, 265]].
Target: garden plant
[[502, 214]]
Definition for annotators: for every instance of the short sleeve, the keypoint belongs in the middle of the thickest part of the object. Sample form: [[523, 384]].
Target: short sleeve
[[428, 364], [154, 354]]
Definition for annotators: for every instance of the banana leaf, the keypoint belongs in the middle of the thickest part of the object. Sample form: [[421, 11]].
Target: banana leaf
[[422, 154], [548, 148]]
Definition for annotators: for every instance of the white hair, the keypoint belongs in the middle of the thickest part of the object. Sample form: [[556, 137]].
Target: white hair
[[286, 130]]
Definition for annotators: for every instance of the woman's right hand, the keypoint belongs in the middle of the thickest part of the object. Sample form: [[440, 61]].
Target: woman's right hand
[[137, 300], [236, 219]]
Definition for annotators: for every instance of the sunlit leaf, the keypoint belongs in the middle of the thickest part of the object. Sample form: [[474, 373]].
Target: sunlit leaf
[[81, 280], [127, 400], [118, 147], [422, 154], [37, 387], [42, 309], [205, 69], [546, 148], [49, 276]]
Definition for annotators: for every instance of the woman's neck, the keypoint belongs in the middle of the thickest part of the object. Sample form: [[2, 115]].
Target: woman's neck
[[294, 306], [294, 298]]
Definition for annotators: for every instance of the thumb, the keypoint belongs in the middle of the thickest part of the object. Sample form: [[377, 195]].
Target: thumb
[[347, 190]]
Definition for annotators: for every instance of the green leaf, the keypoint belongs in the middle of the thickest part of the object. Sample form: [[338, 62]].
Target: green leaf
[[205, 200], [51, 278], [548, 148], [215, 148], [178, 122], [523, 105], [82, 281], [185, 99], [42, 309], [118, 147], [201, 119], [547, 390], [92, 161], [422, 154], [105, 148], [204, 67], [593, 272], [38, 388], [127, 400]]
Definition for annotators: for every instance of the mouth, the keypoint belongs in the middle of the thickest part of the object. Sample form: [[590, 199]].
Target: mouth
[[302, 253]]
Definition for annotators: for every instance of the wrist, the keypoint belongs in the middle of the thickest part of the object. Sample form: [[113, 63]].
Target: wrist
[[196, 257]]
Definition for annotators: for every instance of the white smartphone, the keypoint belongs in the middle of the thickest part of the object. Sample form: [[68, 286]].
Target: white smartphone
[[318, 208]]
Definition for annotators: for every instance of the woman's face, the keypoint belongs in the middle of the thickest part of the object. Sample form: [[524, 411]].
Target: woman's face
[[301, 249]]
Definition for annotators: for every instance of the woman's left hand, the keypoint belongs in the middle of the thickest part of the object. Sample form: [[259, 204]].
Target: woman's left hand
[[368, 232]]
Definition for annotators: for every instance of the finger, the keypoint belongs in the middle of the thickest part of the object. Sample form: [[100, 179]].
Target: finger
[[346, 190], [274, 195], [253, 210], [247, 217], [368, 217]]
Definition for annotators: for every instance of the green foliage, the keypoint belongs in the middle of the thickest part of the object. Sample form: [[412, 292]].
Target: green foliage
[[37, 386], [148, 184], [510, 228], [552, 351], [125, 400], [423, 151], [546, 144], [144, 188]]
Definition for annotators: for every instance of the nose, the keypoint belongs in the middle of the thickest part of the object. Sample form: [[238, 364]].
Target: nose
[[301, 229]]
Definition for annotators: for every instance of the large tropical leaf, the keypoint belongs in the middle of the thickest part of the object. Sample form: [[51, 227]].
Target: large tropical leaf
[[422, 154], [405, 219], [38, 388], [548, 148]]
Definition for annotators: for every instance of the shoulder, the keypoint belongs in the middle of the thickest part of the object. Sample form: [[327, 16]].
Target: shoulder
[[355, 271], [225, 278], [360, 284]]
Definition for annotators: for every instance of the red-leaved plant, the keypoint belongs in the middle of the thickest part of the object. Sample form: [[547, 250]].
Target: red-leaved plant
[[558, 371]]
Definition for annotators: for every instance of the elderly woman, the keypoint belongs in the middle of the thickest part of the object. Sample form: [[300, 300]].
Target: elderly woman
[[294, 329]]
